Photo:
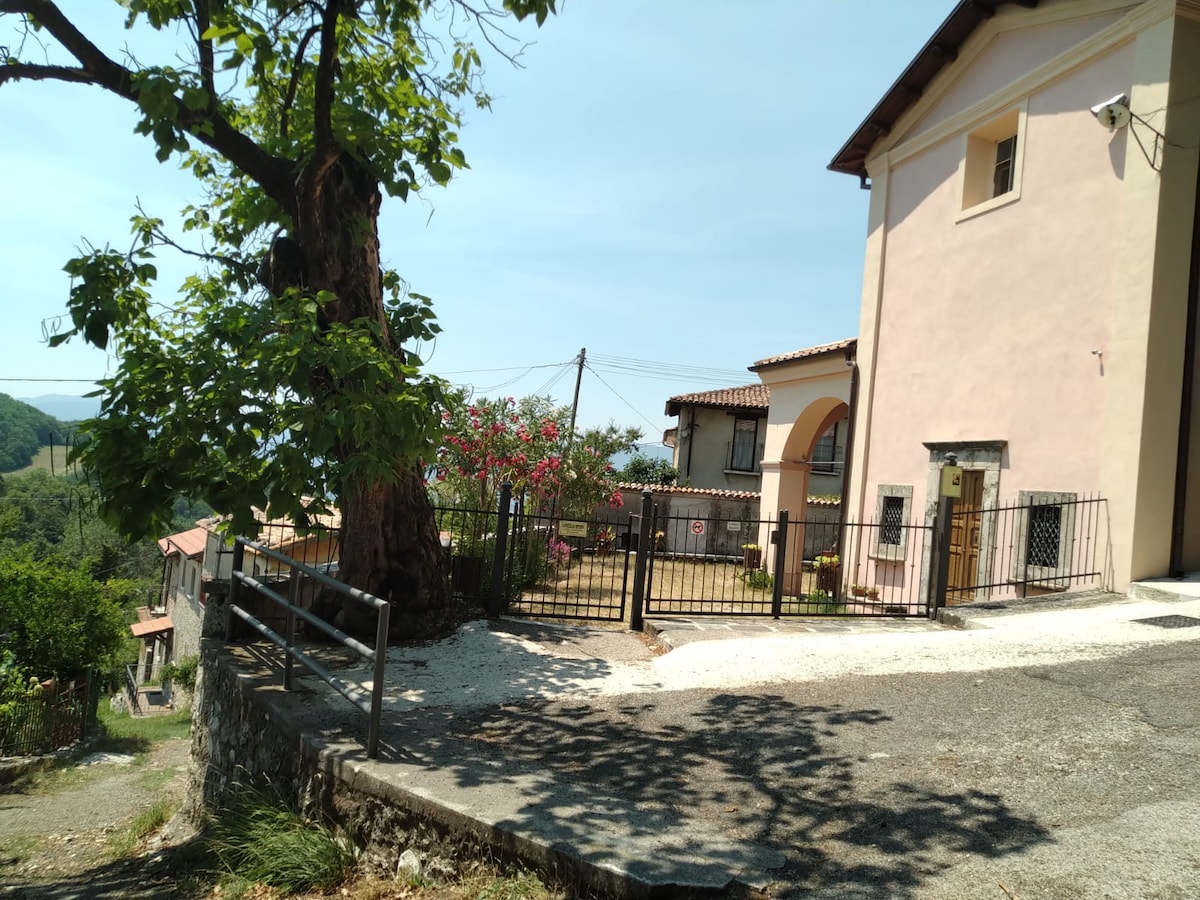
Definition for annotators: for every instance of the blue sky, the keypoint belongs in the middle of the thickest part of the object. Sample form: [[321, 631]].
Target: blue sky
[[650, 186]]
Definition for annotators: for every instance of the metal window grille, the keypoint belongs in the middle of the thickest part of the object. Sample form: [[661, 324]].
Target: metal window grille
[[824, 453], [892, 523], [1044, 536]]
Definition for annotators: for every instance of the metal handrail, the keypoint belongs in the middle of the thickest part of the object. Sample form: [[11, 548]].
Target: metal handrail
[[371, 704]]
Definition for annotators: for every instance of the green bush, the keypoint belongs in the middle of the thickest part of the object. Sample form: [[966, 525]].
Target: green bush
[[758, 579], [258, 838], [59, 621], [182, 672], [825, 602]]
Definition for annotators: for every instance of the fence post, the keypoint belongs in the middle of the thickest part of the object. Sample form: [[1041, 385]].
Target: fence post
[[942, 531], [239, 560], [290, 626], [780, 564], [496, 593], [381, 645], [644, 549]]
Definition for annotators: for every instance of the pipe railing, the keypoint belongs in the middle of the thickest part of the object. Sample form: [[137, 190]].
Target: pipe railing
[[370, 703]]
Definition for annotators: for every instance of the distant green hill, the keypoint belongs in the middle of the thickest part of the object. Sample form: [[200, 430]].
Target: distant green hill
[[24, 431]]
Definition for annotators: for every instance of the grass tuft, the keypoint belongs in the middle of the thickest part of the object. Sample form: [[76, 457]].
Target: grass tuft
[[258, 839], [146, 823]]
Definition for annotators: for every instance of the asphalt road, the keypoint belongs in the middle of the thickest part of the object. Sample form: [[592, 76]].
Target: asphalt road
[[1079, 780]]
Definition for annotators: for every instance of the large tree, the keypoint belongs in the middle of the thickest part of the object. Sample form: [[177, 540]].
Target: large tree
[[280, 378]]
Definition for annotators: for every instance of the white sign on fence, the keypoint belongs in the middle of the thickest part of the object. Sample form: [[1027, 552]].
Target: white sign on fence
[[698, 527], [572, 529], [733, 526]]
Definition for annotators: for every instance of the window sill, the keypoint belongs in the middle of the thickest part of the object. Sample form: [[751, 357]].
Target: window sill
[[988, 205], [752, 472], [889, 554]]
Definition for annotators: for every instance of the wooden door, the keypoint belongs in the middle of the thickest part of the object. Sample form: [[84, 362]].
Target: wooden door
[[965, 526]]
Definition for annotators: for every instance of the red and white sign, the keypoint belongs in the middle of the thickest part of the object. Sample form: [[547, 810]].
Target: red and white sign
[[697, 527]]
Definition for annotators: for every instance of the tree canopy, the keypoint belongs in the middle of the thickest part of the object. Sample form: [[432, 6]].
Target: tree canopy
[[58, 621], [528, 443], [283, 375]]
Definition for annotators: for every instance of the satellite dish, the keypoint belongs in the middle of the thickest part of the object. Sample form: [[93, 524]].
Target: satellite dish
[[1114, 113]]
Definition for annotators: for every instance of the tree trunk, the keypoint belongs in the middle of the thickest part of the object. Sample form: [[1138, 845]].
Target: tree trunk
[[390, 545]]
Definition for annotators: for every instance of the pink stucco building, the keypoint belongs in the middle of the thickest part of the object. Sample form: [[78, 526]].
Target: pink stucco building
[[1030, 287], [1029, 310]]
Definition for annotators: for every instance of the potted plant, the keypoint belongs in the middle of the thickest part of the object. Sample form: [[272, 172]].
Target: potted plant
[[828, 567], [752, 555], [604, 540]]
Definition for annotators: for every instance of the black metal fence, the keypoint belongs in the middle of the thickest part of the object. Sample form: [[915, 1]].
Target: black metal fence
[[569, 568], [534, 564], [49, 720], [1051, 543], [769, 567]]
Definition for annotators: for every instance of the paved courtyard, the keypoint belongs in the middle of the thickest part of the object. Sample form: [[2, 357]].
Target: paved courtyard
[[1044, 754]]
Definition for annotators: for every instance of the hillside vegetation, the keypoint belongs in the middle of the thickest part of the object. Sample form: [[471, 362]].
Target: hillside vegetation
[[23, 432]]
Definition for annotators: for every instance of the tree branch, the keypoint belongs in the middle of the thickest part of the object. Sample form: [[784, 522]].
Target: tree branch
[[294, 80], [31, 72], [272, 173], [323, 88], [205, 49]]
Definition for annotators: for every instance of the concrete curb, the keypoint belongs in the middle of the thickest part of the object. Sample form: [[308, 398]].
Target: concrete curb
[[976, 615]]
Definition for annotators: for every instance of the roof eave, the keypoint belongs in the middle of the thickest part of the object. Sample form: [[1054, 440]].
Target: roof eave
[[938, 52]]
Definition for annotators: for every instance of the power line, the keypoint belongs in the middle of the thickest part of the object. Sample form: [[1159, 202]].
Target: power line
[[505, 369], [668, 368], [654, 425], [60, 380]]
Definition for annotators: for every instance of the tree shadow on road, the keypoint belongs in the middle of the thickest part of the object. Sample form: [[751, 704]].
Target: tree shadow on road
[[728, 782]]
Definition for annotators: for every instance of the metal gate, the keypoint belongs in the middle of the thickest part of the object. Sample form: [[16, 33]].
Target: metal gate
[[539, 565], [544, 566], [569, 568], [709, 566]]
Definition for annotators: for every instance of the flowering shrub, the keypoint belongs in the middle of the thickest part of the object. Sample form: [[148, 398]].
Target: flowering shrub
[[826, 561], [558, 553], [488, 442], [605, 536]]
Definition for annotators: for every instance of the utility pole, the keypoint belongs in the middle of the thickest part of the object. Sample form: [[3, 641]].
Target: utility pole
[[575, 400]]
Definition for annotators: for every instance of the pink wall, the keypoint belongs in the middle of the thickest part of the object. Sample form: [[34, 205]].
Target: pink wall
[[987, 325]]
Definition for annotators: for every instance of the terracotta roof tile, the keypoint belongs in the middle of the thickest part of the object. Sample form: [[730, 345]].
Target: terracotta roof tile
[[156, 625], [702, 492], [189, 543], [747, 396], [806, 353], [721, 493]]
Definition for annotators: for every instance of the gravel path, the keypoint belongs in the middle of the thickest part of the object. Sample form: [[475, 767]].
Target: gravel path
[[55, 837]]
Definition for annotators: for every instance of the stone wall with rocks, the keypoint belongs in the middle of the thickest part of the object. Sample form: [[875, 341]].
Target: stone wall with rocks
[[240, 735]]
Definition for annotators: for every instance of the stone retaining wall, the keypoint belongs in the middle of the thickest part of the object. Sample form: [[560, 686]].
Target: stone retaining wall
[[241, 735]]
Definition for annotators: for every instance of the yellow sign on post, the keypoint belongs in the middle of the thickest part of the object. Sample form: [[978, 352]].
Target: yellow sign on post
[[952, 481]]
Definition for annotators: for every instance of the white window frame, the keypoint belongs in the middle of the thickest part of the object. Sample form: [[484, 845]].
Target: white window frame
[[892, 552], [977, 170], [1056, 577]]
